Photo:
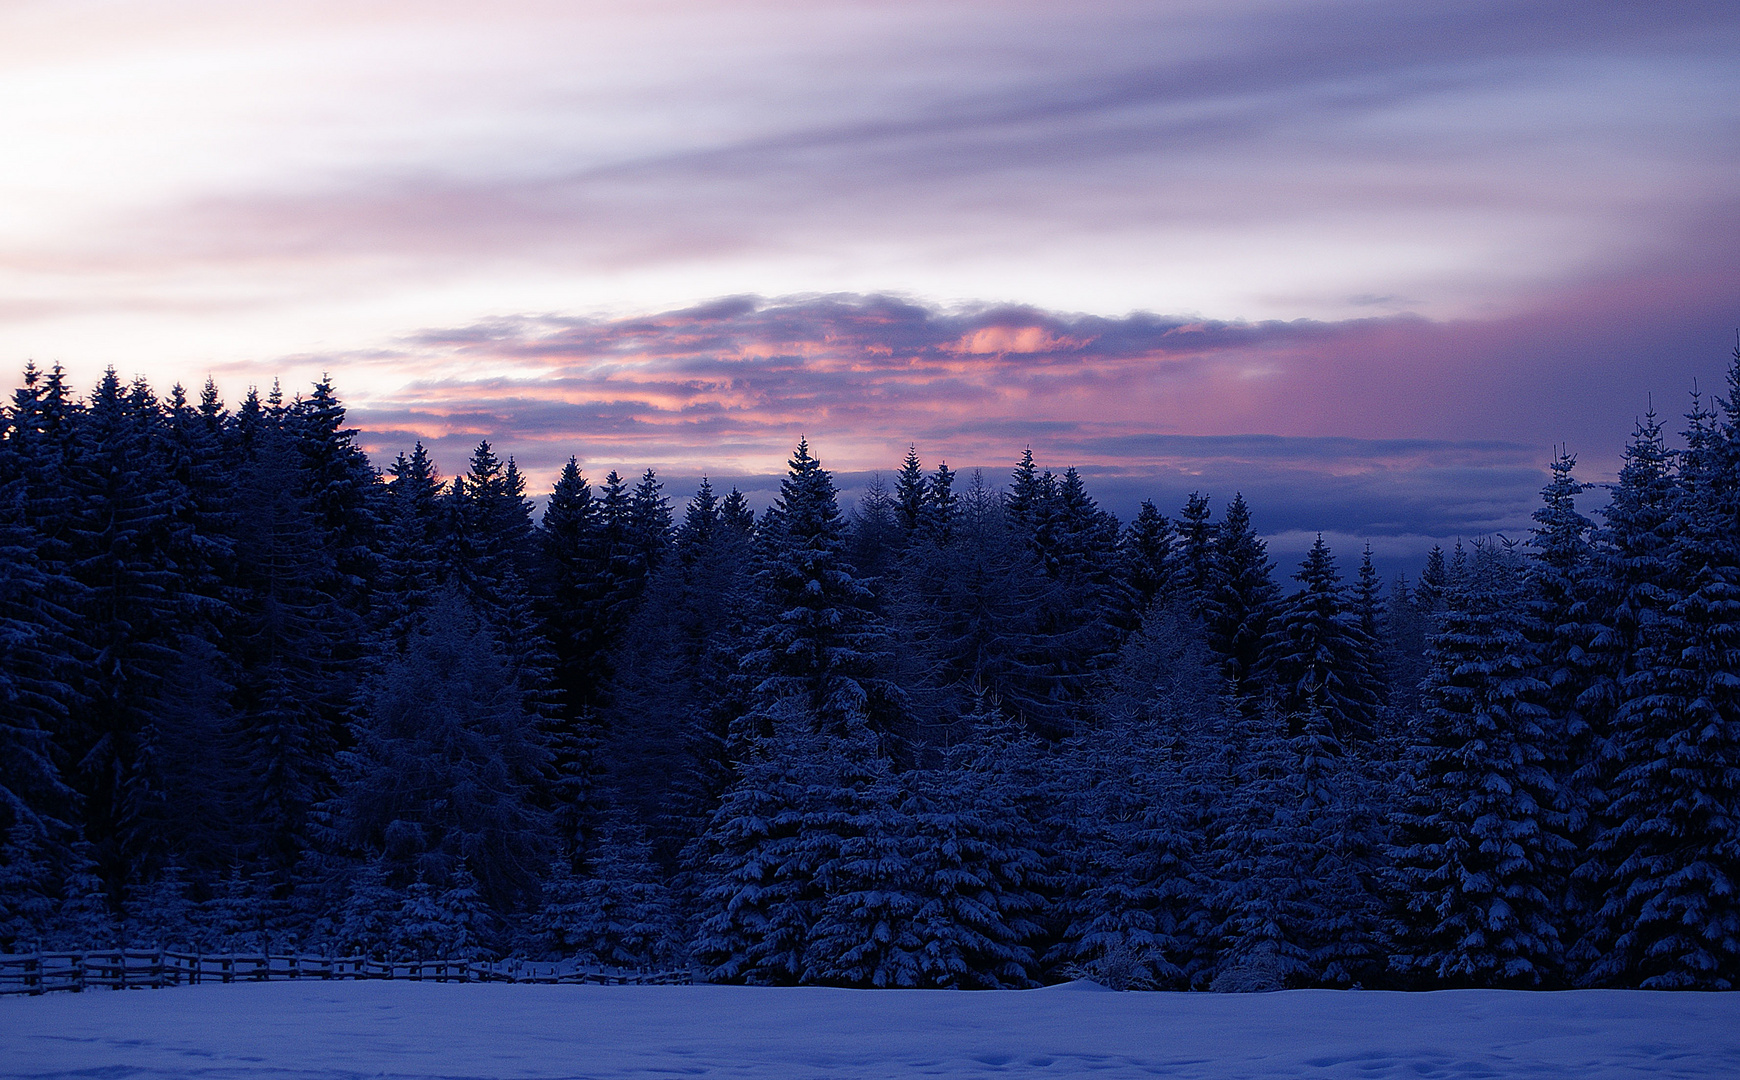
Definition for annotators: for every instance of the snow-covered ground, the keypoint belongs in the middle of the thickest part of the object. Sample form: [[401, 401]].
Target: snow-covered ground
[[399, 1029]]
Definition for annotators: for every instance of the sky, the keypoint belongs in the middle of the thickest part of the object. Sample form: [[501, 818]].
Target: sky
[[1368, 263]]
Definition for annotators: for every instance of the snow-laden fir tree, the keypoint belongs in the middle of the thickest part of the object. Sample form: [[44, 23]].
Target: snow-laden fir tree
[[1316, 655], [1241, 599], [1671, 916], [1480, 848], [620, 914], [822, 645], [447, 762], [763, 850], [1147, 550]]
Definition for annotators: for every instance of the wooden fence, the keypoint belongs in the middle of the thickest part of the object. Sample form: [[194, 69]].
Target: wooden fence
[[129, 969]]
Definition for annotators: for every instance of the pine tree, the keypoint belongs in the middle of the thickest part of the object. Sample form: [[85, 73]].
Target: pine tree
[[874, 535], [823, 645], [339, 484], [1147, 547], [735, 515], [676, 688], [86, 918], [650, 522], [941, 506], [1672, 917], [1480, 836], [26, 890], [1027, 496], [234, 919], [1241, 598], [446, 761], [1194, 565], [118, 546], [977, 614], [40, 602], [1629, 588], [370, 915], [1135, 898], [1316, 657], [851, 837], [762, 896], [291, 641], [620, 915], [911, 493], [574, 556], [700, 523], [410, 562], [160, 915]]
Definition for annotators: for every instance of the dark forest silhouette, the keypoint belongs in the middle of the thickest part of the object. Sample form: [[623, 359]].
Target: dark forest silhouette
[[256, 694]]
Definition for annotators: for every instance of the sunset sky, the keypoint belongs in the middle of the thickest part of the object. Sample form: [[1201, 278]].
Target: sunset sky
[[1366, 262]]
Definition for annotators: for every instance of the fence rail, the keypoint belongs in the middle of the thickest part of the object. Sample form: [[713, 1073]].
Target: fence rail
[[130, 969]]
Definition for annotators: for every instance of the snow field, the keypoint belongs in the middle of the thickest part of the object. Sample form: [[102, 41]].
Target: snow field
[[288, 1031]]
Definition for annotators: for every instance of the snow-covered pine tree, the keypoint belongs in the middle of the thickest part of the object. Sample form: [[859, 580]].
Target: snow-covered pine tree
[[761, 896], [38, 620], [823, 644], [850, 840], [1671, 918], [410, 560], [1132, 838], [1342, 813], [1147, 550], [1241, 598], [27, 889], [910, 493], [86, 916], [1561, 599], [369, 917], [428, 926], [1557, 580], [1316, 656], [1194, 563], [447, 760], [974, 869], [1480, 846], [234, 919], [160, 914], [620, 914]]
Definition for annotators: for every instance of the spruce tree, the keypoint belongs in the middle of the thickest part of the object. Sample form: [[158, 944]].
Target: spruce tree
[[1241, 598], [1147, 547], [1671, 917], [1480, 837], [911, 493], [1194, 565], [620, 914], [1316, 657], [823, 645], [447, 758]]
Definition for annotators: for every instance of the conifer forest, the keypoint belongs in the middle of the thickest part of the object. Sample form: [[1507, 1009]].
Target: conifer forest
[[259, 692]]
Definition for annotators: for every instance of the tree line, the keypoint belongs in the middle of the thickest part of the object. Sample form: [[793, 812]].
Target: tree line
[[256, 693]]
